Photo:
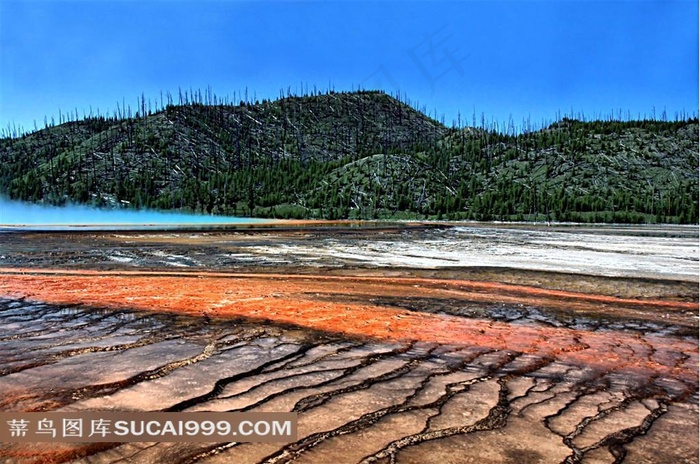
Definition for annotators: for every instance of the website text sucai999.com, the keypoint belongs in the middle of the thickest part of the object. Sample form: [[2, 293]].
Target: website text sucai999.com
[[94, 426]]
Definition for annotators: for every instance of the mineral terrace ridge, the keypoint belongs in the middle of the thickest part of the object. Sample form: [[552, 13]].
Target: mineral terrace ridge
[[394, 342]]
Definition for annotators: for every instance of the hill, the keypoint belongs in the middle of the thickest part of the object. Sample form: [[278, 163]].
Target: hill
[[358, 155]]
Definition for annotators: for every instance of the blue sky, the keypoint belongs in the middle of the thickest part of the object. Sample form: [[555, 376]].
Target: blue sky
[[503, 58]]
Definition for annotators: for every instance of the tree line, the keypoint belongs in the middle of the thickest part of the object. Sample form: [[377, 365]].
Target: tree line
[[355, 154]]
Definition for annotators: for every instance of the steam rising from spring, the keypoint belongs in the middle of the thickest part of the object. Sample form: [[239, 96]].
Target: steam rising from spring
[[21, 215]]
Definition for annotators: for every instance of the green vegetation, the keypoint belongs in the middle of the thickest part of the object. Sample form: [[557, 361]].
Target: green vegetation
[[356, 155]]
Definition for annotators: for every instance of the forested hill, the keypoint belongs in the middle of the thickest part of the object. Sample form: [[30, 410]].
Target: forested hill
[[357, 155]]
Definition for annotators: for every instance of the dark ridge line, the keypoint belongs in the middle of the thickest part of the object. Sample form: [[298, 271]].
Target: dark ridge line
[[553, 395], [99, 318], [616, 441], [368, 419], [291, 452], [93, 391], [341, 349], [91, 349], [221, 383], [348, 371], [319, 399], [327, 396], [578, 453], [295, 389], [496, 418], [282, 379]]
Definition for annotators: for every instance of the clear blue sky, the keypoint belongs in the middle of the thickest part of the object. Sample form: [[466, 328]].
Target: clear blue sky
[[501, 58]]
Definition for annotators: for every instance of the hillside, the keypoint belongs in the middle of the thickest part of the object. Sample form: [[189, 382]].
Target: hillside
[[358, 155]]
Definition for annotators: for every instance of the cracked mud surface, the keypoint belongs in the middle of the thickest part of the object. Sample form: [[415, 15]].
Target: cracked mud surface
[[402, 363]]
